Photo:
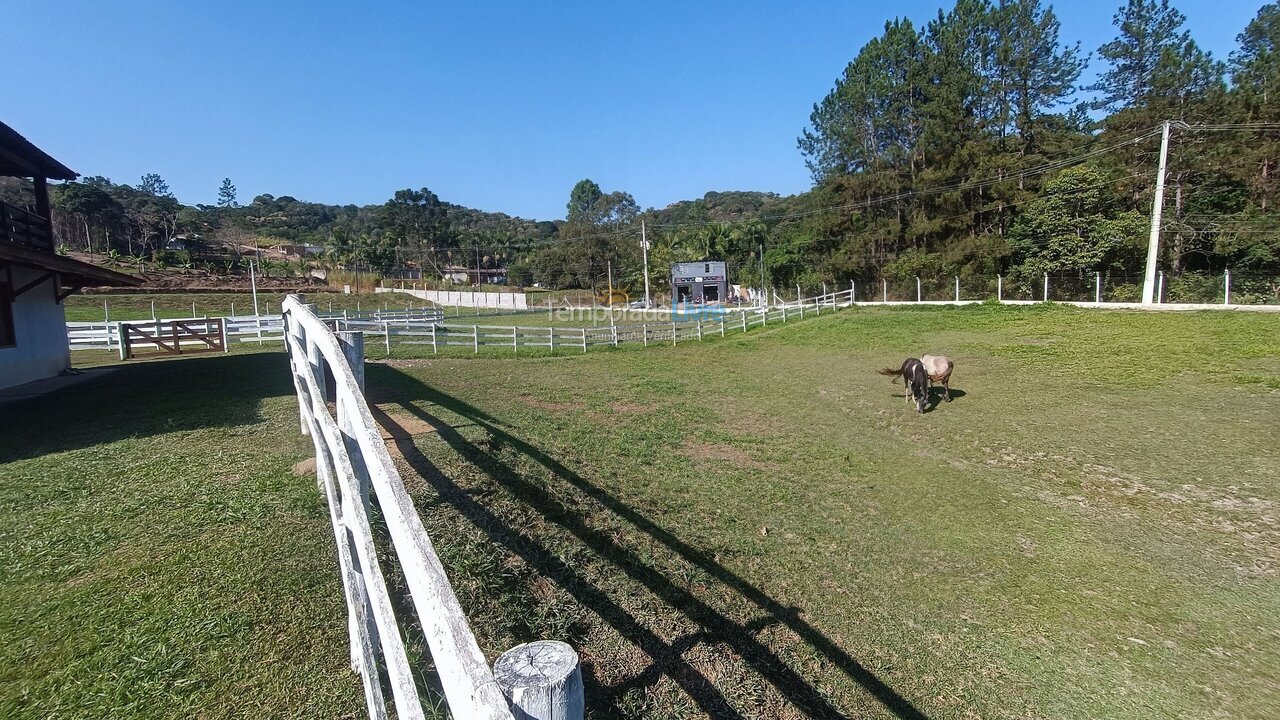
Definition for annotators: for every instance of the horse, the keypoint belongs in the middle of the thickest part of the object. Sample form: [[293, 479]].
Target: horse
[[915, 377], [939, 368]]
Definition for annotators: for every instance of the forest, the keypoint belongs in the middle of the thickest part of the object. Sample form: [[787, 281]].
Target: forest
[[967, 146]]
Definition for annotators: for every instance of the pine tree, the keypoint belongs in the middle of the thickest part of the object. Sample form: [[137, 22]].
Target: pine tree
[[1147, 29], [227, 194]]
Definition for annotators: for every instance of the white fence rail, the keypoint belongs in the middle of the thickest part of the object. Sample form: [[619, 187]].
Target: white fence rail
[[354, 470], [246, 328]]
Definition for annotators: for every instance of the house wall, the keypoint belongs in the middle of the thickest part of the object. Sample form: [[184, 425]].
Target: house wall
[[41, 329]]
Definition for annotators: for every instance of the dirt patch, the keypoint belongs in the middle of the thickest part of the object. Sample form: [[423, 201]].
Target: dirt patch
[[400, 425], [306, 468], [722, 453]]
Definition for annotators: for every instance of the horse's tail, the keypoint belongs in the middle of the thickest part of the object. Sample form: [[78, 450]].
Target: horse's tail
[[895, 374]]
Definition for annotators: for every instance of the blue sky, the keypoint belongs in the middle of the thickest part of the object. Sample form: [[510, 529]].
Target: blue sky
[[498, 106]]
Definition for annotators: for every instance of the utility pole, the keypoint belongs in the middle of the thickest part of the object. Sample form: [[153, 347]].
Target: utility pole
[[253, 283], [1157, 209], [644, 246], [610, 266], [764, 297]]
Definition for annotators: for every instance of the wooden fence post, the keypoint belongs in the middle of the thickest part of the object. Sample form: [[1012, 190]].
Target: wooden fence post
[[352, 344], [542, 680]]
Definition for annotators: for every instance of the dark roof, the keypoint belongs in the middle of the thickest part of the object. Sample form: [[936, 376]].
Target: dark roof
[[72, 272], [19, 158]]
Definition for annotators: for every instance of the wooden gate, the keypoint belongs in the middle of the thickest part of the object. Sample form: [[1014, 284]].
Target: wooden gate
[[167, 336]]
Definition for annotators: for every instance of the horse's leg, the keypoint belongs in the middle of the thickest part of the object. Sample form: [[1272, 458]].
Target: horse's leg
[[946, 388]]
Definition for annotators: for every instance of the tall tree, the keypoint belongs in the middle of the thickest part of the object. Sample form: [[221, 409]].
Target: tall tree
[[1147, 29], [582, 198], [153, 184], [227, 194]]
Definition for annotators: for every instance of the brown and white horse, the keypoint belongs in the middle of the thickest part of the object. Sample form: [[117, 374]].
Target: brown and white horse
[[939, 368]]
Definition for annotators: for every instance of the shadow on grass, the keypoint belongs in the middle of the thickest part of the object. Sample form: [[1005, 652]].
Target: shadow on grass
[[668, 657], [143, 399]]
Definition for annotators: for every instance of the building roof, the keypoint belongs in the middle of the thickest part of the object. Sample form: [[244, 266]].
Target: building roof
[[20, 158], [71, 273]]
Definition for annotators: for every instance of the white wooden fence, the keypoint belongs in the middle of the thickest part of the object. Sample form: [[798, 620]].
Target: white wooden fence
[[354, 470], [692, 325], [246, 328]]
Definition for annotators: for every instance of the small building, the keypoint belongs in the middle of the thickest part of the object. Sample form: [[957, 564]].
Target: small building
[[699, 283], [34, 278]]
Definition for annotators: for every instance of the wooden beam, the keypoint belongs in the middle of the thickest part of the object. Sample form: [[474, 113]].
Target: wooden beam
[[33, 283], [64, 294], [41, 184]]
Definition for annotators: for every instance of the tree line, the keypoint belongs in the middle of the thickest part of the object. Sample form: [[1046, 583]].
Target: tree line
[[965, 146]]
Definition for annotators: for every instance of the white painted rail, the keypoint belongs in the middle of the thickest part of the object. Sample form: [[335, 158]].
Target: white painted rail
[[354, 470], [246, 328]]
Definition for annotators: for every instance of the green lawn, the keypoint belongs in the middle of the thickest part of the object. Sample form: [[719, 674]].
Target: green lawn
[[159, 558], [758, 523], [753, 526]]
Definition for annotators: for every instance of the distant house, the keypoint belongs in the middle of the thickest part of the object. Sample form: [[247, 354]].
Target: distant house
[[705, 281], [34, 279]]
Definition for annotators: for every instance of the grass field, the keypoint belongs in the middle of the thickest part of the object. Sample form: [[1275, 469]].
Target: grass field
[[753, 526]]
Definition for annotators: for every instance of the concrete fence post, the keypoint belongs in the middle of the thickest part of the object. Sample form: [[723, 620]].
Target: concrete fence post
[[1097, 287], [1160, 288], [1046, 287], [957, 288], [919, 294], [673, 333], [999, 288], [1226, 287], [475, 339], [884, 290]]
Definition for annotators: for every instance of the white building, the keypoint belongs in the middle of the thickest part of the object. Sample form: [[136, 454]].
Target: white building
[[34, 279]]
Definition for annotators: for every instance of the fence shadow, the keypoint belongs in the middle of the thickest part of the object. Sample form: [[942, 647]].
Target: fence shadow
[[144, 398], [668, 657]]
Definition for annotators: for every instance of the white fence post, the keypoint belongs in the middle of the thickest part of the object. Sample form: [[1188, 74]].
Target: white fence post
[[999, 288], [542, 680], [386, 336], [673, 333], [584, 339], [1160, 289], [1097, 287], [884, 290], [957, 288], [919, 294], [551, 338], [1046, 287], [475, 339], [1226, 286]]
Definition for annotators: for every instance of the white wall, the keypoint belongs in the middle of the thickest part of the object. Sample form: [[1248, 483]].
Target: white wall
[[41, 329]]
